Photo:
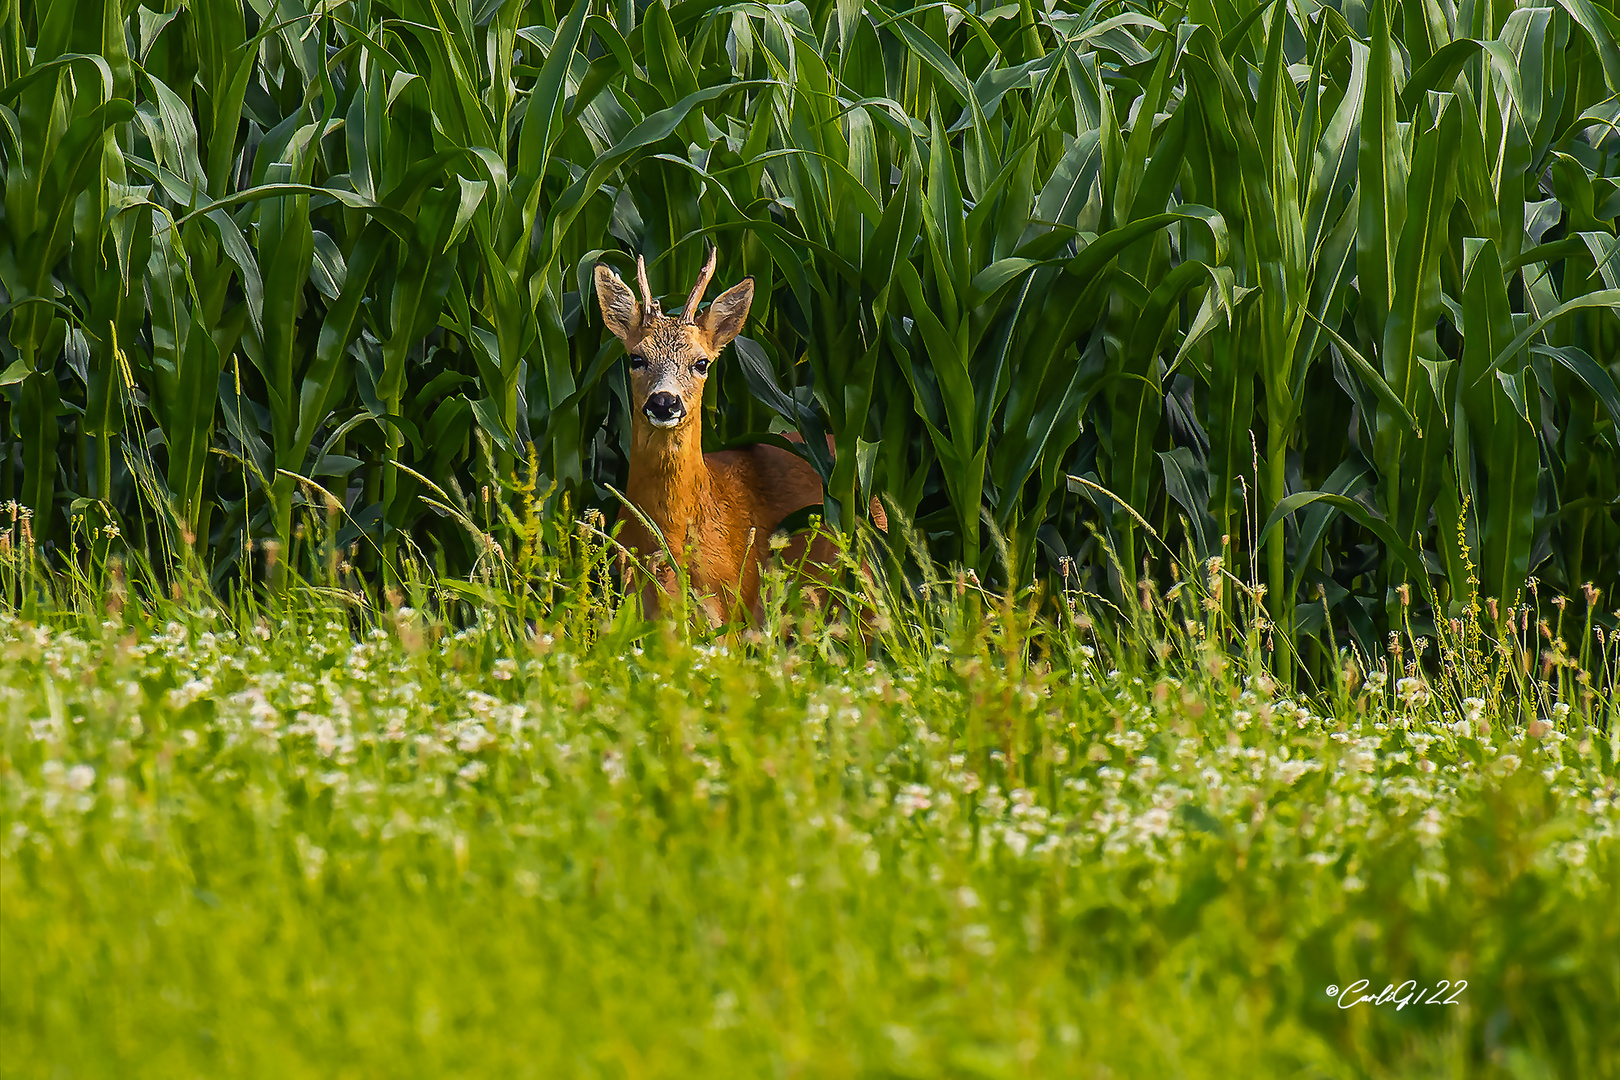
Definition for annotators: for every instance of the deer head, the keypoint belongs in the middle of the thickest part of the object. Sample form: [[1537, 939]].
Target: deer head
[[670, 355]]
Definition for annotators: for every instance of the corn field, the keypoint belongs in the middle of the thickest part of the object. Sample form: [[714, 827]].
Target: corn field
[[1328, 292]]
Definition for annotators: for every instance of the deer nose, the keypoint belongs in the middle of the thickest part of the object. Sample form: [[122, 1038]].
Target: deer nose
[[664, 408]]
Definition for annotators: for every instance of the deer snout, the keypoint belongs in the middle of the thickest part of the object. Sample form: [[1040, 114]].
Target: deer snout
[[664, 409]]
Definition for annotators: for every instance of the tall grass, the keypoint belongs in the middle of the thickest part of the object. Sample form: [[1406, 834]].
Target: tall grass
[[1328, 290], [517, 829]]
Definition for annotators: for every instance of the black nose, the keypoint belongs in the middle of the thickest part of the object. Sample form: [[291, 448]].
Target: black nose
[[665, 406]]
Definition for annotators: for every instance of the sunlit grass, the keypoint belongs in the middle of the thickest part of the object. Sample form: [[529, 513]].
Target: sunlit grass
[[286, 843]]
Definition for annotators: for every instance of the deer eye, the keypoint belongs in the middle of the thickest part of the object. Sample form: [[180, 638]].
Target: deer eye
[[637, 362], [701, 367]]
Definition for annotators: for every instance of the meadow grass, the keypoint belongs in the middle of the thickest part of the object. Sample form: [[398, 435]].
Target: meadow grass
[[316, 840]]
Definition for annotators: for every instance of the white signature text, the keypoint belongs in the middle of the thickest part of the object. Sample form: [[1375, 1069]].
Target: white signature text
[[1443, 992]]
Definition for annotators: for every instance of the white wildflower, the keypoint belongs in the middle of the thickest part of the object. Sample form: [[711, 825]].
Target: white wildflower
[[1288, 772], [1431, 826], [976, 939], [1153, 822], [472, 737], [1413, 692], [311, 859], [913, 798], [192, 690]]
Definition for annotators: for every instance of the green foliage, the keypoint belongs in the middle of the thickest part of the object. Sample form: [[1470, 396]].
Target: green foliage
[[1303, 285], [307, 835]]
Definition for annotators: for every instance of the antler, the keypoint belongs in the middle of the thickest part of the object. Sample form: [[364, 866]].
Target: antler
[[649, 306], [689, 315]]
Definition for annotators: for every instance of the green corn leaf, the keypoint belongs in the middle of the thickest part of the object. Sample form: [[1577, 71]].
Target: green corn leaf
[[327, 375], [191, 415], [654, 129], [542, 125], [472, 195], [1371, 377], [1410, 475], [396, 221], [1335, 155], [1605, 251], [1219, 308], [1156, 321], [1072, 183], [945, 219], [1187, 482], [1360, 514], [1500, 435], [52, 67], [1602, 298], [944, 353], [897, 230], [1600, 33], [1438, 72], [1101, 251], [236, 248], [1382, 179], [1587, 370], [1520, 396], [1349, 478]]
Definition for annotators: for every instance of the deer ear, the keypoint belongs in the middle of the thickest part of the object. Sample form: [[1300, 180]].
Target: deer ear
[[621, 312], [725, 317]]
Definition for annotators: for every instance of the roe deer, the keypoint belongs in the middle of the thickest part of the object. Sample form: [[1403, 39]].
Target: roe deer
[[717, 512]]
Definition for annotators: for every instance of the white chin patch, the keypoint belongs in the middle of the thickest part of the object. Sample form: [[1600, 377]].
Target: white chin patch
[[665, 424]]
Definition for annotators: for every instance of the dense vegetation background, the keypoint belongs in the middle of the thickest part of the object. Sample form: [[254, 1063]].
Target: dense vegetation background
[[1329, 291]]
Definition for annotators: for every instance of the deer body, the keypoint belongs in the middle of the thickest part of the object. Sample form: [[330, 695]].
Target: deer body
[[717, 512]]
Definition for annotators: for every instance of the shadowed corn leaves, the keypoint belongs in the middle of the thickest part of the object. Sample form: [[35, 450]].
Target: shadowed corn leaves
[[1332, 288]]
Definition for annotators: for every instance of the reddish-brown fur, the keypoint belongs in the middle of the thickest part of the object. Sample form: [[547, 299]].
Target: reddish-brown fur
[[707, 506]]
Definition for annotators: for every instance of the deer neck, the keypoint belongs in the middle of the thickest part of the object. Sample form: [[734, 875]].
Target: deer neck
[[669, 480]]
